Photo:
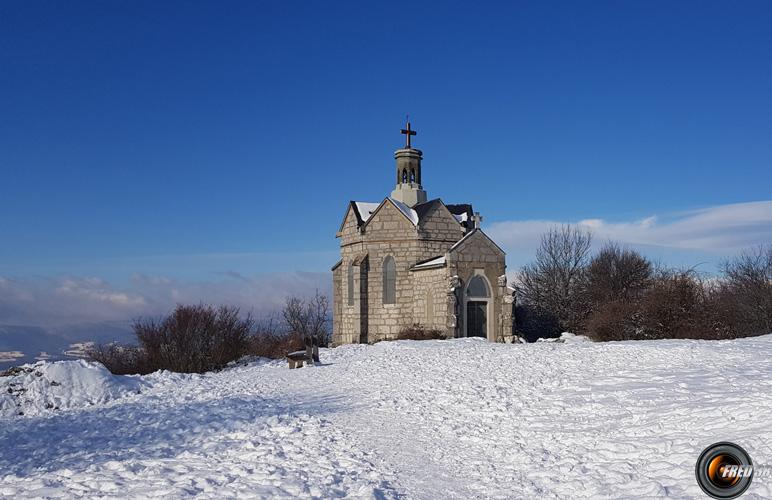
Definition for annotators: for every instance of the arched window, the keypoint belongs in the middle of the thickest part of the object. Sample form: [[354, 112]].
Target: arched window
[[389, 280], [404, 176], [350, 284], [412, 175], [477, 287]]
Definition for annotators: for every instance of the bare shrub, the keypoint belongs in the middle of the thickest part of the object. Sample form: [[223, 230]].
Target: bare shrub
[[300, 319], [535, 322], [617, 320], [195, 339], [675, 304], [745, 294], [270, 341], [192, 339], [416, 331], [619, 295], [556, 281], [275, 346], [121, 359], [678, 305]]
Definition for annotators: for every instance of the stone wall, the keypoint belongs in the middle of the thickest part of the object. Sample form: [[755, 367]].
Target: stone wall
[[337, 303], [440, 228], [352, 322], [431, 291], [389, 232], [349, 231]]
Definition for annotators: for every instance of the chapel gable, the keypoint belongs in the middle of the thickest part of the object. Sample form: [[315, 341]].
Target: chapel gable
[[436, 222], [476, 246], [349, 228], [391, 220]]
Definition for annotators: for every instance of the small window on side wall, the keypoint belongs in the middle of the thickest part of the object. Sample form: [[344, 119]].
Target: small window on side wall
[[389, 280], [350, 287]]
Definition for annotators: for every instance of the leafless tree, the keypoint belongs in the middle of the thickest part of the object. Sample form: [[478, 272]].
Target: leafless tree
[[268, 325], [271, 340], [617, 274], [746, 291], [308, 318], [556, 281]]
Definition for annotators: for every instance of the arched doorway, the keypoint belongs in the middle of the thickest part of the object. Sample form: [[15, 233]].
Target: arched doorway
[[476, 312]]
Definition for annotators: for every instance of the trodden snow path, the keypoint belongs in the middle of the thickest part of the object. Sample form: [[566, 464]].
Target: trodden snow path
[[433, 419]]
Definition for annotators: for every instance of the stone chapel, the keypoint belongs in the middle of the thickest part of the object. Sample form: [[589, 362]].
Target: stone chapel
[[409, 260]]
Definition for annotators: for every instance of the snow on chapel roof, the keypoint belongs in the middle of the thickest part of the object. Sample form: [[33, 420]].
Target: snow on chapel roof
[[409, 212], [365, 209], [429, 264]]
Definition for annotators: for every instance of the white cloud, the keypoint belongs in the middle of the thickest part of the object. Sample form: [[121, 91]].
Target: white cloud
[[722, 229], [6, 356], [99, 291], [69, 300]]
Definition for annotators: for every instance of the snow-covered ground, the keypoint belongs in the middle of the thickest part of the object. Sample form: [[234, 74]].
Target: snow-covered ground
[[433, 419]]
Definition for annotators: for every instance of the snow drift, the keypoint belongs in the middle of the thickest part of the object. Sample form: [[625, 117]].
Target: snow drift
[[434, 419], [44, 387]]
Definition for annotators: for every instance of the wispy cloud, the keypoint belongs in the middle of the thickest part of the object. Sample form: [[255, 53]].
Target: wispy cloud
[[70, 300], [97, 291], [7, 356], [719, 229]]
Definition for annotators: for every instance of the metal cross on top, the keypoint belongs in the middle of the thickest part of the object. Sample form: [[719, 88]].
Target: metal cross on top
[[408, 133]]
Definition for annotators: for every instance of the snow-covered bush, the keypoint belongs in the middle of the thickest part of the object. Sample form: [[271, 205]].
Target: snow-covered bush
[[121, 359]]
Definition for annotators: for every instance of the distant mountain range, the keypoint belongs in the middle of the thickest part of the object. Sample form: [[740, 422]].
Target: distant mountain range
[[25, 344]]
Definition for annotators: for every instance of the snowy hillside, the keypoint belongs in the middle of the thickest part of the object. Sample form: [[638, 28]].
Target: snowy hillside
[[434, 419]]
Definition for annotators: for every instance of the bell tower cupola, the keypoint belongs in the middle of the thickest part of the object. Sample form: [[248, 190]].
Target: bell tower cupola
[[409, 189]]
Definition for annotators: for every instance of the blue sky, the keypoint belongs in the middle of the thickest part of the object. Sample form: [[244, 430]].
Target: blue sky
[[204, 145]]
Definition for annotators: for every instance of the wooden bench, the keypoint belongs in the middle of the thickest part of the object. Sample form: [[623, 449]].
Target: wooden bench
[[309, 356]]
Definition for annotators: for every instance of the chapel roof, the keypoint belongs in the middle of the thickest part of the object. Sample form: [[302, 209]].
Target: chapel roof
[[462, 213]]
